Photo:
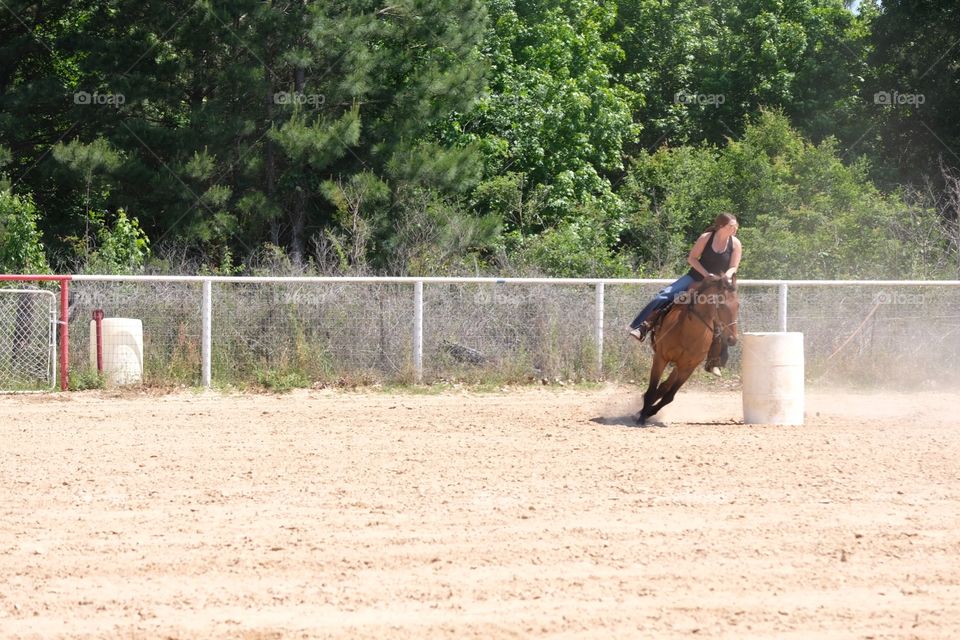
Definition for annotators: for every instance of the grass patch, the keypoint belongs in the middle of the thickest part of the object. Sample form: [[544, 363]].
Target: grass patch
[[282, 382], [85, 379]]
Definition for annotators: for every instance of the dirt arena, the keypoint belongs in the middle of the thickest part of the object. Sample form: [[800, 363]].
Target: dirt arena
[[517, 514]]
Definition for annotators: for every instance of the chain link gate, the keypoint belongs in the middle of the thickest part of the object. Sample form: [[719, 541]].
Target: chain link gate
[[28, 320]]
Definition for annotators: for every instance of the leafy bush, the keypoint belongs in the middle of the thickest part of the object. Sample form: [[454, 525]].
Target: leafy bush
[[21, 244], [120, 249], [576, 248]]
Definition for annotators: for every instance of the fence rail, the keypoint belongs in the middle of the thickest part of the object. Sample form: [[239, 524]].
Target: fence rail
[[208, 329]]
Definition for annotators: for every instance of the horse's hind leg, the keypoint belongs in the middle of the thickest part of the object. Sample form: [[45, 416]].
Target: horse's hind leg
[[654, 389]]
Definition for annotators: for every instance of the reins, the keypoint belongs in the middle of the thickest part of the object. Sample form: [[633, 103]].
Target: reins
[[716, 319]]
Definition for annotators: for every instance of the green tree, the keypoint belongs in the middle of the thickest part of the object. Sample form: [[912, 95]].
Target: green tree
[[21, 243], [704, 68], [555, 117], [804, 213], [228, 117], [913, 91]]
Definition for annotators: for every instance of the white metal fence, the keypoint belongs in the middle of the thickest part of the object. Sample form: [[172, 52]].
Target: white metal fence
[[207, 330]]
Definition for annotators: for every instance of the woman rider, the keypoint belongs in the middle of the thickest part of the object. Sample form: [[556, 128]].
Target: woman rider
[[715, 254]]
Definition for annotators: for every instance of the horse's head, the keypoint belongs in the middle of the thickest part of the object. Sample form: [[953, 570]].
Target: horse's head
[[721, 294], [728, 309]]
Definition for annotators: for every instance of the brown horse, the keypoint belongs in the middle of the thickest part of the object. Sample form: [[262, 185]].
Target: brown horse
[[684, 337]]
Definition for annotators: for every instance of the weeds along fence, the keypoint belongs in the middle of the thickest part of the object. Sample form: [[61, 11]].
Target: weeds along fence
[[298, 331]]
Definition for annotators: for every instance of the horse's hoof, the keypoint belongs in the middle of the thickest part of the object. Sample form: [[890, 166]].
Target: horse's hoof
[[641, 420], [716, 371]]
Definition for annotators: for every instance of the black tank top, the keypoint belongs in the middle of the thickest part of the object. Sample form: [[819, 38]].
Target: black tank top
[[712, 261]]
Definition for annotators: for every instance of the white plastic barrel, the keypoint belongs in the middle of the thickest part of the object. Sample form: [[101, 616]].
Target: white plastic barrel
[[772, 374], [122, 350]]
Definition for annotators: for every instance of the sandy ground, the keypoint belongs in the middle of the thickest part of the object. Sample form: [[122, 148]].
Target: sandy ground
[[517, 514]]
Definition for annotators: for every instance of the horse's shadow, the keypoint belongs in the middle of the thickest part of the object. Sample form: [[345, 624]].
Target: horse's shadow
[[628, 420]]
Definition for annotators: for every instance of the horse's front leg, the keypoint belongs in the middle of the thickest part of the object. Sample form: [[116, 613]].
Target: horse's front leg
[[654, 389], [672, 385]]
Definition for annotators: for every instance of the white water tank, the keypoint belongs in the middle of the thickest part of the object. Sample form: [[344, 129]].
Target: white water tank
[[772, 374], [122, 350]]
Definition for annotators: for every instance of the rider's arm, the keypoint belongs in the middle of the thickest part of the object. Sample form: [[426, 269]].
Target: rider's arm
[[694, 258], [734, 257]]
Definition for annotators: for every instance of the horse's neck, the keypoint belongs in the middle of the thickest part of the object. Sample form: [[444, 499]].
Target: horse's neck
[[709, 308], [706, 309], [705, 312]]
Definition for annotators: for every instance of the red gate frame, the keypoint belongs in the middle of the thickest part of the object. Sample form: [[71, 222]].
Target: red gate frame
[[62, 319]]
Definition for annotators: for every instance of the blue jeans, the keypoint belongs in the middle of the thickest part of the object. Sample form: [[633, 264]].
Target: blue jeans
[[666, 295]]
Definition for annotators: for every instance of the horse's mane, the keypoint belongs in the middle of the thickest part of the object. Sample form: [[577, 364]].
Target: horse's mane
[[725, 283]]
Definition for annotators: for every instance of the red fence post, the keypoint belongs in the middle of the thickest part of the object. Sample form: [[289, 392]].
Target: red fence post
[[64, 334]]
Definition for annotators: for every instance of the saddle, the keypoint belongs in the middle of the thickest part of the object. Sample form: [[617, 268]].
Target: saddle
[[656, 319]]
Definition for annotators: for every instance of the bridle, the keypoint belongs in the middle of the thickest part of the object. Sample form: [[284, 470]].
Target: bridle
[[716, 326]]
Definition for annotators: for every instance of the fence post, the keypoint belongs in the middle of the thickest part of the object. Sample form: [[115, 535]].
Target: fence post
[[64, 335], [205, 340], [598, 325], [418, 330], [782, 306]]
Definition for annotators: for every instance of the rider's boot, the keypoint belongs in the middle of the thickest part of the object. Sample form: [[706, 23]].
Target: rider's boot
[[641, 332]]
